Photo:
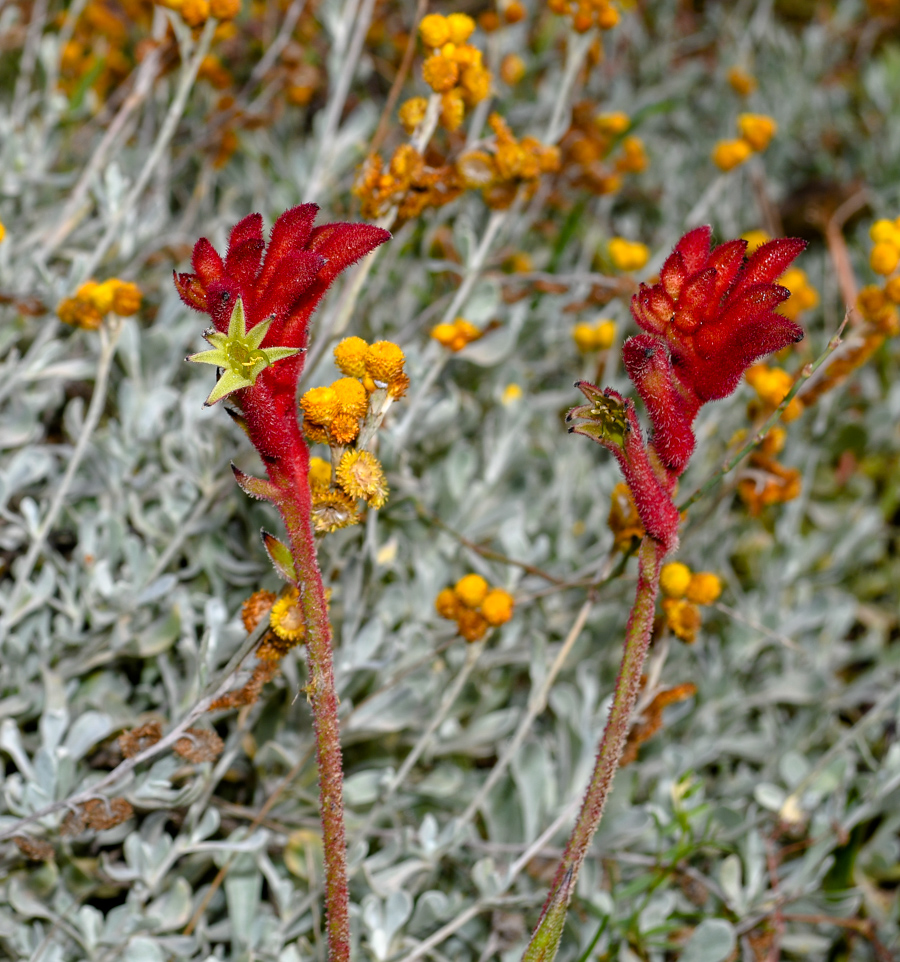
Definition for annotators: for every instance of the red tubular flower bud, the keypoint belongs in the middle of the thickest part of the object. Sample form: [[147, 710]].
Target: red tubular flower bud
[[610, 420], [672, 411]]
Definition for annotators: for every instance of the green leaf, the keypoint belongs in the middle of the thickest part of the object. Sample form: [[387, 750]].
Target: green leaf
[[280, 556], [257, 488], [545, 942]]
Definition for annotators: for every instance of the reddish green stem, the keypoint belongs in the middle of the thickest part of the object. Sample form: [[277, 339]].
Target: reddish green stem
[[545, 940], [292, 478]]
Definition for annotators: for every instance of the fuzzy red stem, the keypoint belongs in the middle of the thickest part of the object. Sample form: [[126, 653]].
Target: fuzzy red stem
[[290, 473], [628, 684]]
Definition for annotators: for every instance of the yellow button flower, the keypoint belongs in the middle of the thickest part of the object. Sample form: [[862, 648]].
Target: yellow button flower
[[434, 30], [497, 607], [412, 113], [461, 26], [384, 361], [728, 154], [320, 405], [471, 590], [351, 396], [704, 588], [674, 579], [628, 255], [757, 129], [350, 356], [884, 257]]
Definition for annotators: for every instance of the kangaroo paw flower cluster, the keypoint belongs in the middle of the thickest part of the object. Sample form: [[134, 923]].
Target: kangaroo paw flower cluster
[[756, 133], [709, 317], [684, 591], [474, 606], [93, 301]]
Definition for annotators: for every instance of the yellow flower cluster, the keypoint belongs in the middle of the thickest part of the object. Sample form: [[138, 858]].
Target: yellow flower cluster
[[771, 483], [454, 70], [2, 232], [741, 82], [683, 592], [332, 414], [756, 133], [885, 255], [623, 518], [628, 255], [374, 377], [589, 145], [598, 336], [508, 164], [803, 295], [771, 385], [93, 300], [407, 184], [196, 12], [457, 335], [474, 606], [586, 13]]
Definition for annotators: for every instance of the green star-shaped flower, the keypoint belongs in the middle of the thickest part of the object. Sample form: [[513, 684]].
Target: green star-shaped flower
[[239, 354]]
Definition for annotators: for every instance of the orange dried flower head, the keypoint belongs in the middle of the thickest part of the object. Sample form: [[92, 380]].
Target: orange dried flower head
[[344, 429], [195, 12], [453, 109], [255, 608], [199, 745], [126, 299], [683, 619], [79, 313], [412, 113], [224, 9], [472, 625], [447, 604]]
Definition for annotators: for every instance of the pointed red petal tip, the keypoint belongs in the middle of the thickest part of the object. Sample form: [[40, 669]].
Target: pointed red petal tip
[[206, 262]]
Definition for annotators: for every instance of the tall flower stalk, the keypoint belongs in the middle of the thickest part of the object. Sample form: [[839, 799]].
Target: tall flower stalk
[[260, 299], [710, 316]]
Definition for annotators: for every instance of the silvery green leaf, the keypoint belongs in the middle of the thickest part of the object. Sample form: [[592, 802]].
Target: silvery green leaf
[[712, 941], [86, 731]]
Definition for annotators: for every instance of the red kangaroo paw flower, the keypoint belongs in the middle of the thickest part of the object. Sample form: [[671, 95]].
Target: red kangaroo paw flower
[[707, 319], [721, 314], [279, 286]]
